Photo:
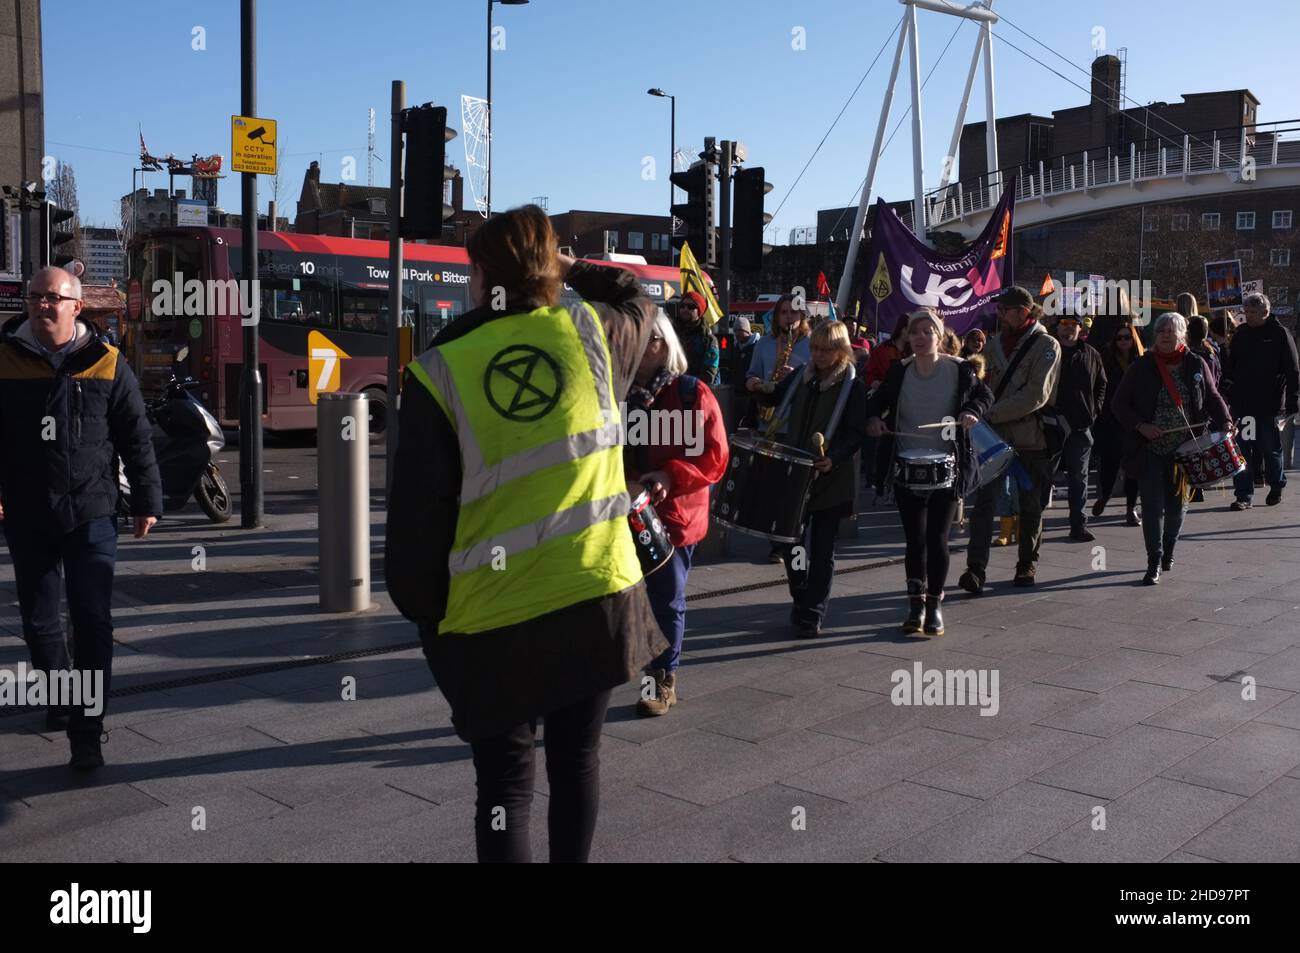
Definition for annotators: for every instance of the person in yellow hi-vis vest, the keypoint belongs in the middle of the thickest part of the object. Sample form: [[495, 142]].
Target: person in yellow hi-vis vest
[[508, 539]]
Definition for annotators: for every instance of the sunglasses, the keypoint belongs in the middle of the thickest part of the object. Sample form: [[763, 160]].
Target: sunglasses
[[1123, 337], [50, 297]]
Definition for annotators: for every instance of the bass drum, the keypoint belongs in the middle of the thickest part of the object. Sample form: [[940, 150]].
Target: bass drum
[[765, 490]]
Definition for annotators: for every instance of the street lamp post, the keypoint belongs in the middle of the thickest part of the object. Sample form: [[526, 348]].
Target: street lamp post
[[509, 3], [672, 157]]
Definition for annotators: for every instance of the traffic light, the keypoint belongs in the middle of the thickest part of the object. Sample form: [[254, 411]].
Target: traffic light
[[53, 239], [697, 211], [748, 220], [425, 171]]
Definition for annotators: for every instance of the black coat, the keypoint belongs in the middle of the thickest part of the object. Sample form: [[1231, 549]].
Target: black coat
[[809, 411], [973, 397], [59, 431], [1262, 374], [1081, 386], [1135, 401]]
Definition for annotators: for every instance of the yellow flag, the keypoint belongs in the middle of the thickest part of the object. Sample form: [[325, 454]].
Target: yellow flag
[[693, 280], [881, 286]]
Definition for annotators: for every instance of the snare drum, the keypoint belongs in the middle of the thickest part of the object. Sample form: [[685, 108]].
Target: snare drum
[[922, 470], [765, 489], [653, 547], [1209, 459], [993, 454]]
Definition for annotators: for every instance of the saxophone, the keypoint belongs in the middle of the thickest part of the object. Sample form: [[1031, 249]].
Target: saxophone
[[769, 385]]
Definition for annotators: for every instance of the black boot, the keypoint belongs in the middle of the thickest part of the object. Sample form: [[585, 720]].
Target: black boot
[[86, 752], [1167, 561], [1152, 578], [933, 618], [916, 605]]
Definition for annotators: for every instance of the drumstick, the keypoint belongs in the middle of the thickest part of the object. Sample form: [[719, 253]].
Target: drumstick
[[819, 444], [1190, 427], [941, 423]]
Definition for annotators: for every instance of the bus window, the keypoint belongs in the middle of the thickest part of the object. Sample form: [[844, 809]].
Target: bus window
[[362, 311], [163, 259]]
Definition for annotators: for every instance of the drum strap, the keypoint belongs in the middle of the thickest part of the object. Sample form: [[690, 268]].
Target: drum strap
[[1176, 397], [1182, 486]]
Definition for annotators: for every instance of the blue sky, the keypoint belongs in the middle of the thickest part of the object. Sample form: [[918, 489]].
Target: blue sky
[[573, 121]]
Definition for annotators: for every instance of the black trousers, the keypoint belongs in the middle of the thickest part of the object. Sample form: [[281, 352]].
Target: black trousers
[[927, 521], [1110, 454], [505, 768]]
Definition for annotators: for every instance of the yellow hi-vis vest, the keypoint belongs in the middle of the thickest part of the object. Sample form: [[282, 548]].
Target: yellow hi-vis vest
[[543, 502]]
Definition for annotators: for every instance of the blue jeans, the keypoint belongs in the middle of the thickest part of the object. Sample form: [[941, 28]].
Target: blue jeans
[[1074, 461], [1264, 451], [1162, 508], [88, 555], [666, 588], [1008, 499], [810, 587]]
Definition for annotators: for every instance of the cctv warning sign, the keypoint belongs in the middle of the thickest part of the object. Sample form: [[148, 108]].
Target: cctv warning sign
[[252, 145]]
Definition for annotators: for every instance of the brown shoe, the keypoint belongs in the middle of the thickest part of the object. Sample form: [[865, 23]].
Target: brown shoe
[[664, 697], [1025, 573]]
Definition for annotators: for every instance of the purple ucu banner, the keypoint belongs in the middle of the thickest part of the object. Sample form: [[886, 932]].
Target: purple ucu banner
[[902, 274]]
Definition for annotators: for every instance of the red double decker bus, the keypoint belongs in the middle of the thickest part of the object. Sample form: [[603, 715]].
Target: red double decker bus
[[337, 287]]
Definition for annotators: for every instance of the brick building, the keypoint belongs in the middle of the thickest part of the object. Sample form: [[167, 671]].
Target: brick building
[[629, 234]]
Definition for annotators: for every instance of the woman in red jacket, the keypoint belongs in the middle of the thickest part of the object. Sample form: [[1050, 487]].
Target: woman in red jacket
[[677, 463]]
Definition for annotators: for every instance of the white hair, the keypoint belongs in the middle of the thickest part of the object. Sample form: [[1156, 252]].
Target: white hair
[[1177, 320], [1260, 299], [62, 275], [676, 359]]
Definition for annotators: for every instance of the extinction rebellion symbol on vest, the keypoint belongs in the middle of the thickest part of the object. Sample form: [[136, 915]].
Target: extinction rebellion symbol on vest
[[522, 383]]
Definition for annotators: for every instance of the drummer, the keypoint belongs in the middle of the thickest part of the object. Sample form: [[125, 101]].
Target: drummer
[[678, 474], [1164, 391], [806, 403], [929, 387]]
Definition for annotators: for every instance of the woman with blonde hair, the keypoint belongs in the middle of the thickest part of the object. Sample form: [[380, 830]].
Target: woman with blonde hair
[[824, 398], [930, 387]]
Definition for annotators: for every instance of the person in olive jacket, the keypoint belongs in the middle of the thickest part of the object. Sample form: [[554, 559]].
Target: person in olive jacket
[[1020, 398], [928, 387], [824, 396], [69, 405], [1166, 389]]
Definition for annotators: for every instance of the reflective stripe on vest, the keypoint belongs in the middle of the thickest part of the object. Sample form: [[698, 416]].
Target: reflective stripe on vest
[[543, 507]]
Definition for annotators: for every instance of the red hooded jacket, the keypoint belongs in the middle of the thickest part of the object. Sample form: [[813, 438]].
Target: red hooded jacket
[[686, 510]]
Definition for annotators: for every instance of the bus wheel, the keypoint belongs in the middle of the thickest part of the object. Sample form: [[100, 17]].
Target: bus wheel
[[378, 413]]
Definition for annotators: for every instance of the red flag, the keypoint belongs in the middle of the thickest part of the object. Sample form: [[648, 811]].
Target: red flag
[[823, 286], [1047, 287]]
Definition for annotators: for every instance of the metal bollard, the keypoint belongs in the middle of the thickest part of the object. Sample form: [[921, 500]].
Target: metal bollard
[[343, 481]]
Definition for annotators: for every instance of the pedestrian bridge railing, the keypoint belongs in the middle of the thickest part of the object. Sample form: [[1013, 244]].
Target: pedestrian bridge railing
[[1238, 153]]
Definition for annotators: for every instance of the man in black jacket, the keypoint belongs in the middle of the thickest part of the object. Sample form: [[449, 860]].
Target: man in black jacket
[[1080, 395], [1262, 376], [68, 403]]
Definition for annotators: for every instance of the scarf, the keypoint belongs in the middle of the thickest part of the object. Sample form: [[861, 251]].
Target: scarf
[[641, 398], [1012, 338], [1173, 358]]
